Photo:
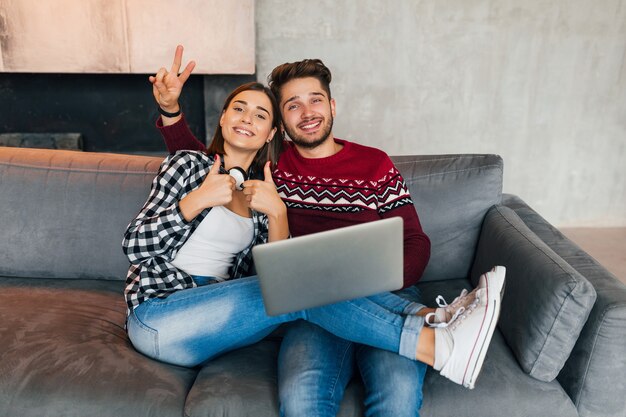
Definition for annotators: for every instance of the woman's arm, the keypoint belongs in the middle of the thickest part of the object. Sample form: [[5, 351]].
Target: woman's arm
[[166, 217], [160, 225], [216, 190], [263, 197]]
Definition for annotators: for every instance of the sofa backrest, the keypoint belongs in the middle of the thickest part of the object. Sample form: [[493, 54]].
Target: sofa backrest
[[63, 213], [452, 194]]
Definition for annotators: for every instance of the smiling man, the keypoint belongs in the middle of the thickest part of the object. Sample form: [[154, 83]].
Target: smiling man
[[328, 183]]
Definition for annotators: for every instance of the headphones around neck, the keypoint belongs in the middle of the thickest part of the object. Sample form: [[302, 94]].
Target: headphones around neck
[[236, 172]]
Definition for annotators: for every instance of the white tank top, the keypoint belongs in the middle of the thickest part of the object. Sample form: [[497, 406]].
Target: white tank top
[[212, 247]]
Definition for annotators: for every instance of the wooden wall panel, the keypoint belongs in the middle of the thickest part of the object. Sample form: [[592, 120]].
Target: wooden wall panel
[[125, 36]]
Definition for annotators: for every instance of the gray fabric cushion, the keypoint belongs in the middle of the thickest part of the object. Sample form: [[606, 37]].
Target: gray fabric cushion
[[501, 390], [64, 352], [593, 375], [501, 385], [452, 193], [63, 213], [546, 302], [244, 383], [239, 383]]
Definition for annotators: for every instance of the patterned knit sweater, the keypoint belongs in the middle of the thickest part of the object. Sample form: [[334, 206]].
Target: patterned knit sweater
[[356, 185]]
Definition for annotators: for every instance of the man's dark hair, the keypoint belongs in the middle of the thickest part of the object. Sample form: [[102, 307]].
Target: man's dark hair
[[284, 73]]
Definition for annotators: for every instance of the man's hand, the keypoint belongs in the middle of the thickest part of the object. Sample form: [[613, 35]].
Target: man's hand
[[167, 86]]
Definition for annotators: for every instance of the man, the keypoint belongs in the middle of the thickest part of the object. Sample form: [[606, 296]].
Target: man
[[328, 183]]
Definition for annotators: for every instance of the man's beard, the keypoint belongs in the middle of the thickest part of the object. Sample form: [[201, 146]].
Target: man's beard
[[306, 143]]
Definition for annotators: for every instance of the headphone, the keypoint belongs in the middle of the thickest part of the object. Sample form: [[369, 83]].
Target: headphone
[[236, 172]]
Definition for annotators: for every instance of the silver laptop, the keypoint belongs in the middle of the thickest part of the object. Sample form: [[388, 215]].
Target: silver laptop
[[327, 267]]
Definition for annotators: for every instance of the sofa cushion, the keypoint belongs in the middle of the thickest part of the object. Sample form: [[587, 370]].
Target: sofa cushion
[[64, 352], [501, 389], [546, 301], [64, 212], [500, 382], [452, 194], [244, 383]]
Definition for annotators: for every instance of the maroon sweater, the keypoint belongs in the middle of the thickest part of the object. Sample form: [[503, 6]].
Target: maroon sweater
[[356, 185]]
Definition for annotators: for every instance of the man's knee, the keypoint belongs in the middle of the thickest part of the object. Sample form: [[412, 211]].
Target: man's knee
[[301, 396], [393, 384], [313, 370]]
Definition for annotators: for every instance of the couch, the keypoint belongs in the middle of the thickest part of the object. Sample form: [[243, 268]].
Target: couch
[[560, 347]]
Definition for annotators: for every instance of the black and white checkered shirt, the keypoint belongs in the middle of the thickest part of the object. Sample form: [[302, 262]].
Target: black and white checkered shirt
[[154, 237]]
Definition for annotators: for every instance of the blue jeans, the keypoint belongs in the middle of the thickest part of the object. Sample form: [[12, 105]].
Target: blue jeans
[[315, 367], [194, 325]]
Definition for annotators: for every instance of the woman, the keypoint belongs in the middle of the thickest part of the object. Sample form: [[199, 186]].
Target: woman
[[194, 235]]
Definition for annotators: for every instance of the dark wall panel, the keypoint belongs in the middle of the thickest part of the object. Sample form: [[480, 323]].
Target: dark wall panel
[[114, 113]]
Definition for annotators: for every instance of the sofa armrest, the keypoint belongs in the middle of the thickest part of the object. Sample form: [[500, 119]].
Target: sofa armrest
[[593, 375]]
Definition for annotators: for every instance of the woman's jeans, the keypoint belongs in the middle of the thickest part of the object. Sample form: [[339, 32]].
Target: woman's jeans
[[194, 325]]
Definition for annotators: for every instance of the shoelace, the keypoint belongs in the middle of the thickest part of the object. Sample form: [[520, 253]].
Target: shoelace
[[456, 315], [464, 314], [441, 302], [451, 308]]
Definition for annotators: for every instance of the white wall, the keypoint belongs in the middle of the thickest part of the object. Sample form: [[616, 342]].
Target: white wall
[[542, 83]]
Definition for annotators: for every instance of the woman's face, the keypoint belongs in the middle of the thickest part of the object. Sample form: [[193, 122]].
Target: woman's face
[[247, 122]]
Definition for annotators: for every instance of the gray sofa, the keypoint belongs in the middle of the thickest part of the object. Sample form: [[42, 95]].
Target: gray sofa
[[560, 348]]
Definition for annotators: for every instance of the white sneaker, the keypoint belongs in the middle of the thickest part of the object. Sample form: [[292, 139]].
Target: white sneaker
[[446, 314], [460, 348]]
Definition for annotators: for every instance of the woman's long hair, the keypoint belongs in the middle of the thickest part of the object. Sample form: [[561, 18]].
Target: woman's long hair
[[270, 151]]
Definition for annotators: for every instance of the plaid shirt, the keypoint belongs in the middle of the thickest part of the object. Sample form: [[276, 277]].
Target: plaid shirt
[[154, 237]]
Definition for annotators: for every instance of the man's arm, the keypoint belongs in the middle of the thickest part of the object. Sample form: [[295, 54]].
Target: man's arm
[[416, 244], [166, 89], [178, 136], [394, 200]]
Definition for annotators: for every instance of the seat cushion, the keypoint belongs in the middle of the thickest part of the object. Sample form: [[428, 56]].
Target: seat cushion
[[452, 194], [244, 383], [501, 389], [64, 352], [502, 384], [546, 301]]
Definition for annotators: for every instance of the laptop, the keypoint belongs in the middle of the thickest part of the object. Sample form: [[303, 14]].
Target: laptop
[[331, 266]]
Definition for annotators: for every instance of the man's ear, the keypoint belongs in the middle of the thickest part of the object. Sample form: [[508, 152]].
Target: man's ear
[[332, 107]]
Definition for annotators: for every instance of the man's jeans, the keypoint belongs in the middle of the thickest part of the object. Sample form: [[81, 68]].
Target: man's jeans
[[194, 325], [316, 366]]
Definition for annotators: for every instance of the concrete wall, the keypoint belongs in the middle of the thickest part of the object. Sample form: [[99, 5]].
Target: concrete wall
[[542, 83]]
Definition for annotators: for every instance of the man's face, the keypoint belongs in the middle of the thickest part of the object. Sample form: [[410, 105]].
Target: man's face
[[307, 112]]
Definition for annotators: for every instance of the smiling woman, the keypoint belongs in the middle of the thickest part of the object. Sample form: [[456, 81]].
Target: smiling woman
[[245, 126]]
